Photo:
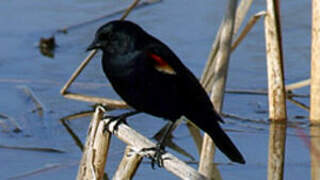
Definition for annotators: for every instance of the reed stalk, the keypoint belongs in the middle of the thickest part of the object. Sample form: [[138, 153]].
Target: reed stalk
[[276, 88], [95, 152], [128, 165], [315, 64], [220, 69]]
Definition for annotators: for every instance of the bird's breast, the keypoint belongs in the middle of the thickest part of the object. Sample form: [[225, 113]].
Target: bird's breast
[[118, 66]]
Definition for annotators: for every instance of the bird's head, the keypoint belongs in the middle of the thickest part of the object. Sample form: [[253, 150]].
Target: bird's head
[[117, 37]]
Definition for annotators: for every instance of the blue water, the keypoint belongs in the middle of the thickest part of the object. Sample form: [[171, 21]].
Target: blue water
[[189, 28]]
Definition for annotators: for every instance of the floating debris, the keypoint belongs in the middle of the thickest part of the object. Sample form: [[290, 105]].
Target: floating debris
[[47, 46]]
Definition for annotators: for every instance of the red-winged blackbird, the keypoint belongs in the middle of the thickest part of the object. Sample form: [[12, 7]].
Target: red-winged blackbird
[[152, 79]]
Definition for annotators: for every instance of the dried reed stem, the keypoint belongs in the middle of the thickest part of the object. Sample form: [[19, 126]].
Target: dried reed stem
[[129, 9], [128, 165], [96, 149], [39, 106], [206, 78], [138, 142], [277, 94], [315, 64], [241, 13], [253, 20], [83, 64], [77, 115], [207, 72], [219, 77], [110, 103], [117, 12], [297, 85]]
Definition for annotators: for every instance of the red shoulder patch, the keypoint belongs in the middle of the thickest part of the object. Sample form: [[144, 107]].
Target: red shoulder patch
[[158, 60], [161, 65]]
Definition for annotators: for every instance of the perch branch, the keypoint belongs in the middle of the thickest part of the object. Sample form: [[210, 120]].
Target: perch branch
[[138, 142]]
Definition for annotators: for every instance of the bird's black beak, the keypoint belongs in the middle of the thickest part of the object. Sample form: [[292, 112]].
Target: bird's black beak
[[94, 45]]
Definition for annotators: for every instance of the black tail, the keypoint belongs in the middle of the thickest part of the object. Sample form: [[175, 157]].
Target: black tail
[[224, 143], [220, 138]]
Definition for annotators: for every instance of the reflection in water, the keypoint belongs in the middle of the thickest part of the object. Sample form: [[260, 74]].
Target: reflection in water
[[277, 141], [315, 152], [68, 118]]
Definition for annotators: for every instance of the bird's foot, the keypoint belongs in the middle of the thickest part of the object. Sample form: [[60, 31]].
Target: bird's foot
[[119, 120], [157, 156]]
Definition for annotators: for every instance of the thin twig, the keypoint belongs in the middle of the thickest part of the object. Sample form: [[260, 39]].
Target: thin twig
[[47, 168], [297, 85], [299, 104], [244, 119], [247, 91], [78, 115], [253, 20], [261, 92], [110, 103], [73, 135], [39, 106], [84, 85], [115, 13], [17, 127], [84, 63], [292, 124], [129, 9], [53, 150]]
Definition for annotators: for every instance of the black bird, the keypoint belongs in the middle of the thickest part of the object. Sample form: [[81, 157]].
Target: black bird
[[150, 78]]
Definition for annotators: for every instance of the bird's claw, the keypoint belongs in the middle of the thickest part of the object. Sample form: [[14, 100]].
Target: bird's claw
[[157, 157], [119, 120]]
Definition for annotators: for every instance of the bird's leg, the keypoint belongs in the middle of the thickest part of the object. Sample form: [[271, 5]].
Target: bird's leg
[[159, 149], [120, 119]]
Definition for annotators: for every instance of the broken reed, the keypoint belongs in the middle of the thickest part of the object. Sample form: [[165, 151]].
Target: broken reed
[[97, 145]]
